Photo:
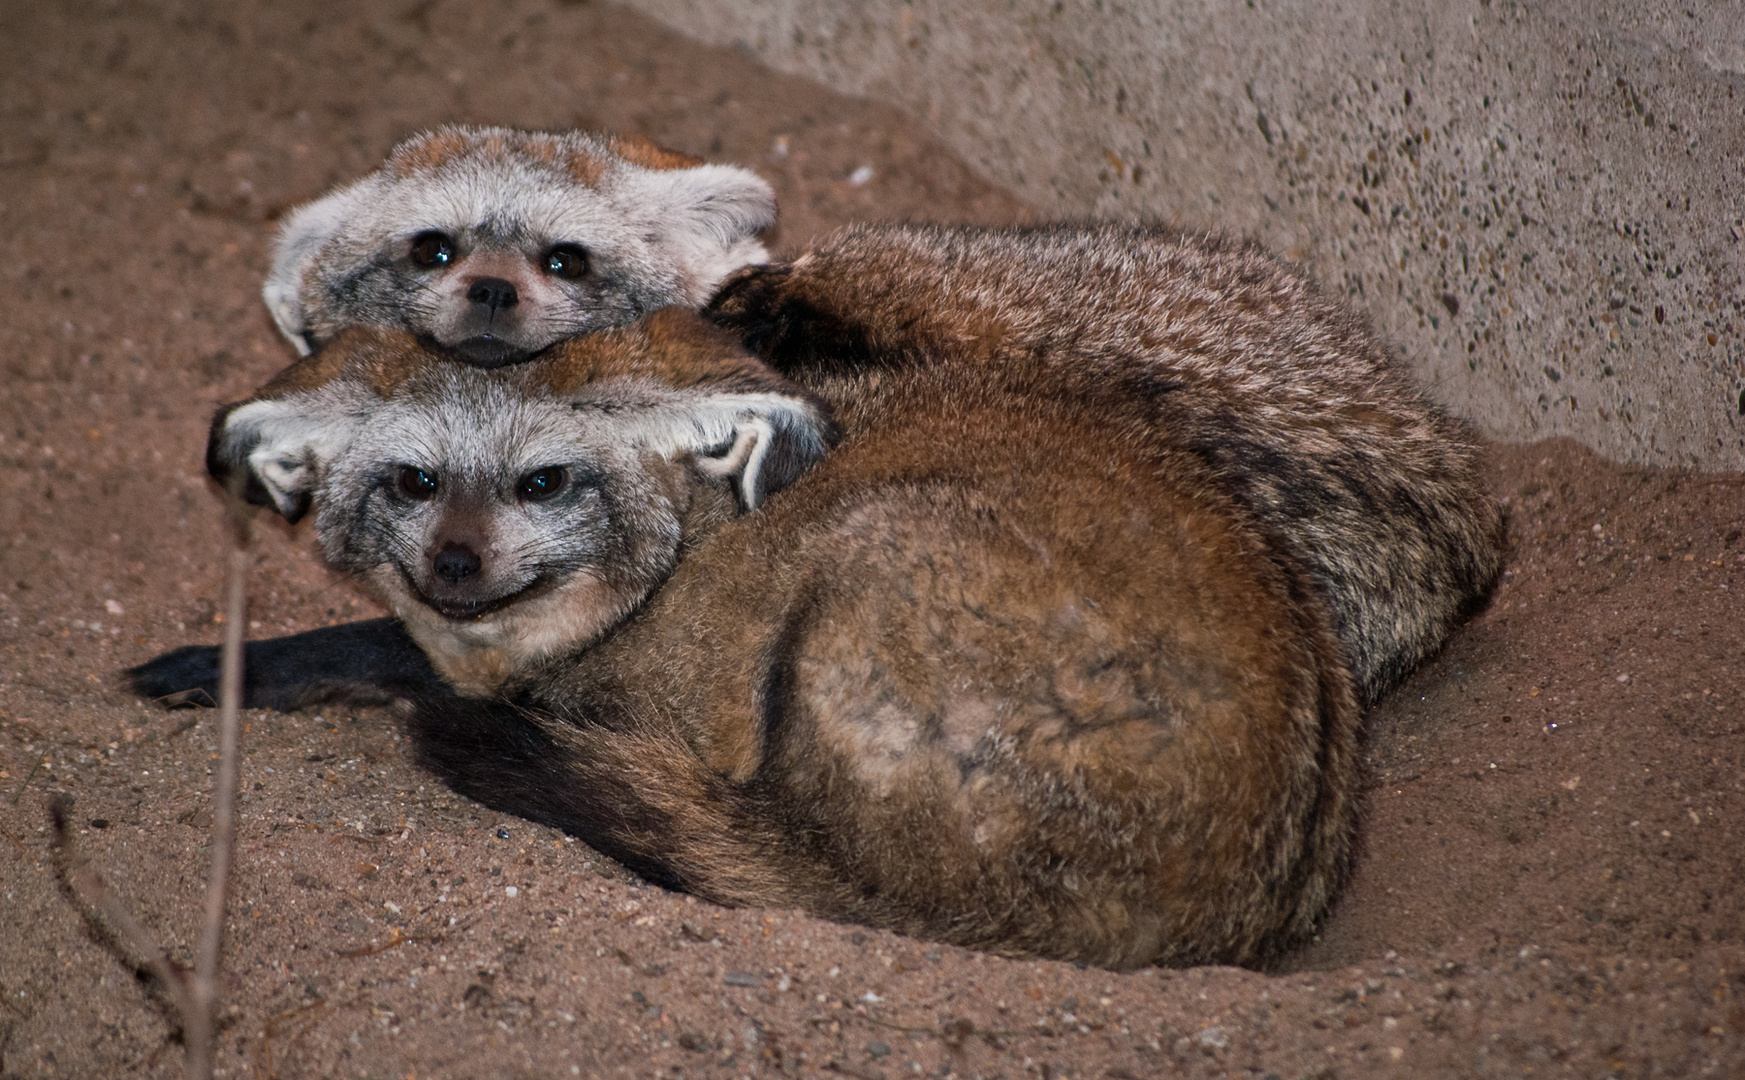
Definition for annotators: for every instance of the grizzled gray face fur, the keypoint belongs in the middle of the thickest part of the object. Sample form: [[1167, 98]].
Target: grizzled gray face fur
[[497, 524], [493, 243], [468, 517]]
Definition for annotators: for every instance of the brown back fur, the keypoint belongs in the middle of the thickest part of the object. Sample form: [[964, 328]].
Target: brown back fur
[[1286, 395]]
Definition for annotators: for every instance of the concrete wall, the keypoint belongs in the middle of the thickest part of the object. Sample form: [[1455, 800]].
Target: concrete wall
[[1541, 204]]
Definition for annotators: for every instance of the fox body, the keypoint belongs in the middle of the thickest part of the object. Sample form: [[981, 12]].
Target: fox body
[[946, 650], [494, 243], [1081, 548]]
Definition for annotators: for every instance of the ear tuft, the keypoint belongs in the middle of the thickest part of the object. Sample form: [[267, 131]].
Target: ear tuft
[[775, 441], [228, 452], [796, 443], [726, 202], [279, 446]]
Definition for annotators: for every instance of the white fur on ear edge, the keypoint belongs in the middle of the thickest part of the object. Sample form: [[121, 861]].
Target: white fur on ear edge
[[750, 446], [283, 442], [709, 218], [772, 437]]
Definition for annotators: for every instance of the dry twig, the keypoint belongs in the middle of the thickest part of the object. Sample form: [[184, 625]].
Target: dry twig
[[88, 884], [202, 1024], [194, 995]]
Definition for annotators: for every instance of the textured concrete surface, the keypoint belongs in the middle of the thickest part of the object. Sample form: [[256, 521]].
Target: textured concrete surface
[[1541, 204]]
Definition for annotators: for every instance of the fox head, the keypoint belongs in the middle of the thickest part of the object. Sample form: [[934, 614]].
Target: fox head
[[513, 514], [494, 243]]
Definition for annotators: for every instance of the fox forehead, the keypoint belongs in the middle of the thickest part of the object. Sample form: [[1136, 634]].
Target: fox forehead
[[522, 186], [577, 156], [457, 419], [671, 386], [505, 205], [473, 424], [487, 430]]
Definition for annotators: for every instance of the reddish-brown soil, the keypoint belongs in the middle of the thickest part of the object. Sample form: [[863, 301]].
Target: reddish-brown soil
[[1554, 852]]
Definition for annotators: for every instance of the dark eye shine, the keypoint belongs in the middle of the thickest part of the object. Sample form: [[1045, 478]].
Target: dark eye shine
[[543, 484], [416, 483], [566, 261], [432, 250]]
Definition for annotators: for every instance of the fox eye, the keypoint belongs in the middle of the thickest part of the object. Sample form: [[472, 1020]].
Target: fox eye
[[416, 483], [566, 261], [432, 249], [543, 484]]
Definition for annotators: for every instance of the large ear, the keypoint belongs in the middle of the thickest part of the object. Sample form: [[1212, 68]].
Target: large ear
[[771, 440], [277, 447], [726, 202], [299, 242], [710, 216], [674, 386]]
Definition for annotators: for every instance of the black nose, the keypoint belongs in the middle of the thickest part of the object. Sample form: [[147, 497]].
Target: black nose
[[455, 563], [494, 293]]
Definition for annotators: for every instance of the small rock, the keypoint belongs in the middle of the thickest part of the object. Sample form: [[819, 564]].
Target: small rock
[[1214, 1038]]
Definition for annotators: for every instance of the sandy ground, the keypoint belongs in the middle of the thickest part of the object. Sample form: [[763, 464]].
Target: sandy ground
[[1554, 852]]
